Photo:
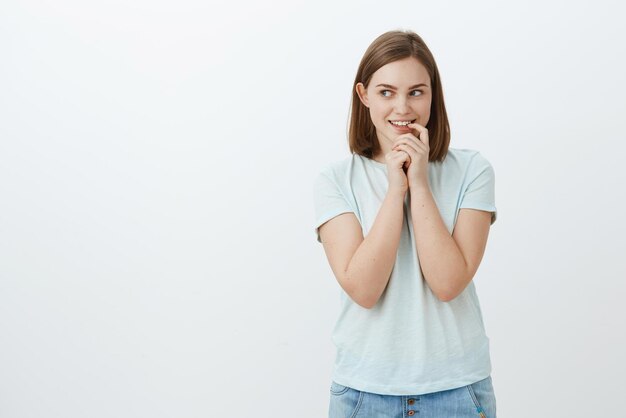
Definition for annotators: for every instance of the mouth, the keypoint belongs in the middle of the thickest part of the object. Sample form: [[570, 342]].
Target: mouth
[[401, 123]]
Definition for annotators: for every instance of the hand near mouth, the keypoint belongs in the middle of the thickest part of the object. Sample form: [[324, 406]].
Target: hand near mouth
[[417, 147]]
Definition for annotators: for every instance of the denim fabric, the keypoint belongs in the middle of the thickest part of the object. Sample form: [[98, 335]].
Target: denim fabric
[[476, 401]]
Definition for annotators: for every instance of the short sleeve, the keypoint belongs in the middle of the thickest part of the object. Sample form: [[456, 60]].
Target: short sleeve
[[329, 201], [480, 191]]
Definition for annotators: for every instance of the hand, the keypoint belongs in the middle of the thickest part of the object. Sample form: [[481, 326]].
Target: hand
[[418, 150], [397, 160]]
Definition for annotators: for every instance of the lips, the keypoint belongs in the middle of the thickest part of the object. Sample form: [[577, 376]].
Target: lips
[[401, 128]]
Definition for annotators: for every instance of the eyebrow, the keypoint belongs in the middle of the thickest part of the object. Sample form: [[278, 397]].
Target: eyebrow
[[389, 86]]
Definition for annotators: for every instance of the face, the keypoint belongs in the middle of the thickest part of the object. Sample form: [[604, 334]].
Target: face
[[398, 92]]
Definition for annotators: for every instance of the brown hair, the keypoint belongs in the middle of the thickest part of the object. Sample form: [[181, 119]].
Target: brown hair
[[388, 47]]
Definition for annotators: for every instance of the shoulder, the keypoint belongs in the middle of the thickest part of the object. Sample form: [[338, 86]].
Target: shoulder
[[462, 154], [465, 158], [337, 169]]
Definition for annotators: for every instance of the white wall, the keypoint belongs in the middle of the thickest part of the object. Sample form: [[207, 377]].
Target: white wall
[[157, 253]]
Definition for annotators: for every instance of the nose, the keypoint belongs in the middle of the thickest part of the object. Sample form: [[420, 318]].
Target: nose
[[401, 105]]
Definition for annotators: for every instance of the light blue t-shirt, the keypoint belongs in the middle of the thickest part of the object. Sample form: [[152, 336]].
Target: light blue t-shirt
[[410, 342]]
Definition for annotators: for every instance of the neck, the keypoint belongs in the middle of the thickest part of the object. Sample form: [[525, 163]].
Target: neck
[[380, 157]]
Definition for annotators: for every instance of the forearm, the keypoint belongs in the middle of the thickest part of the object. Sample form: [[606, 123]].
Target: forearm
[[369, 269], [440, 258]]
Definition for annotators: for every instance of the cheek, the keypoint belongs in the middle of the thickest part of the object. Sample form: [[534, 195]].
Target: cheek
[[424, 107], [424, 112], [377, 112]]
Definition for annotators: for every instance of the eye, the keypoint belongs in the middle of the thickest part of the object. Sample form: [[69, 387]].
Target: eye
[[382, 93], [419, 91]]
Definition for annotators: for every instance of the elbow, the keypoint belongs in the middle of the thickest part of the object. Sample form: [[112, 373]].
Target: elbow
[[450, 289], [447, 294], [368, 304], [445, 297], [362, 297], [442, 293], [365, 301]]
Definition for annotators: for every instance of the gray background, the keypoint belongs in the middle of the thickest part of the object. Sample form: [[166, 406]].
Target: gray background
[[157, 252]]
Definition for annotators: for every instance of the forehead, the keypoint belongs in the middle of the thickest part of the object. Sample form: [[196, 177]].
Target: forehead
[[402, 73]]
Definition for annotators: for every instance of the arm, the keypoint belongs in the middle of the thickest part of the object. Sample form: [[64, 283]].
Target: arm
[[363, 265], [448, 262]]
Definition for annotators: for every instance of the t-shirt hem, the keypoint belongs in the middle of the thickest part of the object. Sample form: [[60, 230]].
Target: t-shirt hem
[[481, 206], [327, 217], [411, 389]]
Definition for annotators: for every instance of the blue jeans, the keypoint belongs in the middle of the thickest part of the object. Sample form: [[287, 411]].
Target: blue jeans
[[476, 401]]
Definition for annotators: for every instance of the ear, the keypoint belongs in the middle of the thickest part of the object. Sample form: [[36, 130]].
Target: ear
[[362, 92]]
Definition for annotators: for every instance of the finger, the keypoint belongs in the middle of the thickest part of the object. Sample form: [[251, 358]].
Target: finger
[[397, 154], [401, 151], [415, 144], [423, 132], [402, 155], [417, 127], [412, 152], [411, 139]]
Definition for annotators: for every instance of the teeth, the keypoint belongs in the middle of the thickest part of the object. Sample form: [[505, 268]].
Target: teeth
[[401, 122]]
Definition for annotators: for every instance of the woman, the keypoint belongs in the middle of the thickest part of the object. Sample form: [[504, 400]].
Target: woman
[[404, 223]]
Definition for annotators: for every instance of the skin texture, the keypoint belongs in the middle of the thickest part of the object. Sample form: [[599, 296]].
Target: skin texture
[[363, 265]]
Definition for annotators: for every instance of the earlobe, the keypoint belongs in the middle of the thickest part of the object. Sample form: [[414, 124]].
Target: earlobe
[[362, 93]]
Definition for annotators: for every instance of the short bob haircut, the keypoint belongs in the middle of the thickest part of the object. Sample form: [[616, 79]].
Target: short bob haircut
[[389, 47]]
